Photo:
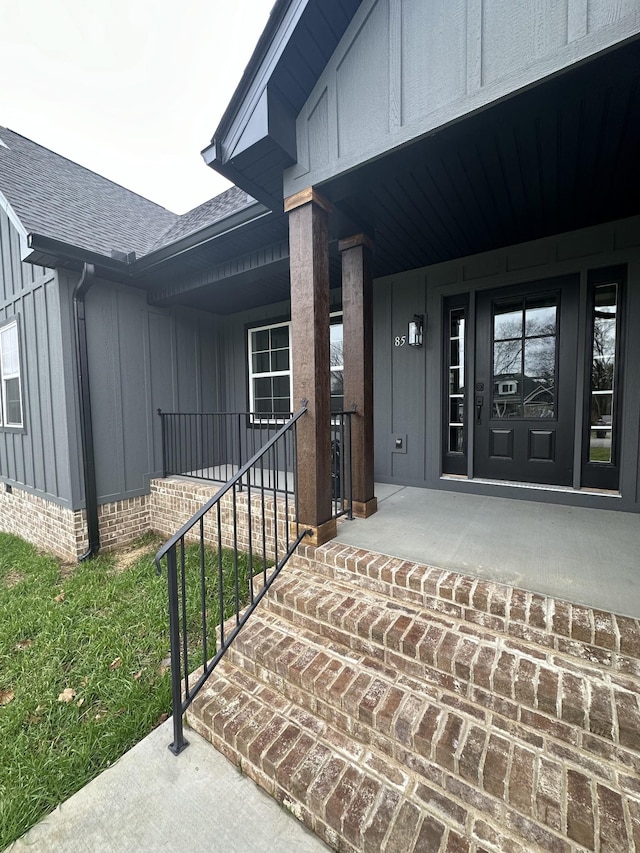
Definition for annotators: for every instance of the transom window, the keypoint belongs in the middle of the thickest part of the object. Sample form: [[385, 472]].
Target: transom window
[[10, 378]]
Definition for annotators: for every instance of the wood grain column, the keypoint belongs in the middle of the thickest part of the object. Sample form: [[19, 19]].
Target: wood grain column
[[309, 269], [357, 308]]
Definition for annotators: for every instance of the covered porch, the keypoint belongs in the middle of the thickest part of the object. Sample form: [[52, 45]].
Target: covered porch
[[580, 555]]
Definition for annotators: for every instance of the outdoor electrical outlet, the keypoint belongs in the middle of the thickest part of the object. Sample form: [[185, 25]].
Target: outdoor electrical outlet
[[399, 442]]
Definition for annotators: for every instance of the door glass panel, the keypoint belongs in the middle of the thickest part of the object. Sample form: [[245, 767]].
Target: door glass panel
[[507, 320], [524, 357], [603, 356], [507, 358]]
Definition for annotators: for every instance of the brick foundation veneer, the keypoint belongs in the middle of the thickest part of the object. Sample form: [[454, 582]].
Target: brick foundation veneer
[[62, 531], [173, 502], [395, 707]]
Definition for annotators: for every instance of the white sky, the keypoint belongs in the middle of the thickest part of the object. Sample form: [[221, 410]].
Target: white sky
[[132, 89]]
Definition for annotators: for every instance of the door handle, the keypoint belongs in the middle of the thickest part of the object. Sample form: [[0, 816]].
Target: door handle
[[479, 405]]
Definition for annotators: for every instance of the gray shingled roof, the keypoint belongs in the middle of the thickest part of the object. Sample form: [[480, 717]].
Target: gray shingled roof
[[223, 205], [57, 198]]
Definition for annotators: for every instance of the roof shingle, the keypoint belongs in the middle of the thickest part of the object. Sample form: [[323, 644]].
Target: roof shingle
[[57, 198]]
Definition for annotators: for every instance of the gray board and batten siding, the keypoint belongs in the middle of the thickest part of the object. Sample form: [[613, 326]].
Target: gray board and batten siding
[[405, 68], [141, 359], [36, 457], [408, 382]]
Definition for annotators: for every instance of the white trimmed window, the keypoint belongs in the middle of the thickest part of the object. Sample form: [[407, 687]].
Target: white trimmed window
[[10, 380], [270, 371]]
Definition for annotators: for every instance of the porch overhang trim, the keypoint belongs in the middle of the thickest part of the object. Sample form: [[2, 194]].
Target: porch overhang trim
[[249, 214], [264, 259]]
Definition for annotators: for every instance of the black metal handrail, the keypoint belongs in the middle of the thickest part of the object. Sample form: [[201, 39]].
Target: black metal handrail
[[274, 507]]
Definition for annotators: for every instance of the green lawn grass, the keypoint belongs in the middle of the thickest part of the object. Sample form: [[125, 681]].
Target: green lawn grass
[[96, 635]]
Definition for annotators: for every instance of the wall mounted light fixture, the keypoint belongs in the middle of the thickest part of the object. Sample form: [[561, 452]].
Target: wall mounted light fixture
[[415, 335]]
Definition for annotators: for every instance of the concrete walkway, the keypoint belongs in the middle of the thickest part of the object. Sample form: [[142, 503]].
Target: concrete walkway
[[151, 801], [585, 556]]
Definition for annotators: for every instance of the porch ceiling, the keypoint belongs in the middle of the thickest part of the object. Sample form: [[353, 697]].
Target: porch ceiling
[[560, 156]]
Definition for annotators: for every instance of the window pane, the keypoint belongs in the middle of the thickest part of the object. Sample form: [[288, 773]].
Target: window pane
[[456, 440], [600, 446], [540, 360], [262, 387], [507, 356], [9, 350], [260, 340], [540, 317], [280, 386], [280, 360], [507, 321], [336, 351], [456, 410], [507, 408], [261, 362], [280, 337], [14, 406]]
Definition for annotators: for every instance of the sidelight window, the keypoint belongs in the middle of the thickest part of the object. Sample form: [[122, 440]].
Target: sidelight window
[[603, 370]]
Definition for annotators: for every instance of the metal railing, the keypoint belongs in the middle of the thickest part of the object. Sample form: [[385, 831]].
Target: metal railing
[[256, 517], [214, 445], [341, 464]]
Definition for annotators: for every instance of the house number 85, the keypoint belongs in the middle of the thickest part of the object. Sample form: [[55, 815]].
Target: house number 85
[[400, 340]]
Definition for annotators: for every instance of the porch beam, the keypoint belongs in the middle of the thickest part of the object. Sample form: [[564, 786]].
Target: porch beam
[[357, 310], [309, 271]]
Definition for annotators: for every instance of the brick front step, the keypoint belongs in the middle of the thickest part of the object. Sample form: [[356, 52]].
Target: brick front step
[[472, 733], [354, 798]]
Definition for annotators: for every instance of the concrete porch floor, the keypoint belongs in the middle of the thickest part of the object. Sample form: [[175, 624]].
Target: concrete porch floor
[[585, 556]]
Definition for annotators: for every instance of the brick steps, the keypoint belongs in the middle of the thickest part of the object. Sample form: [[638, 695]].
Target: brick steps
[[434, 719], [352, 797]]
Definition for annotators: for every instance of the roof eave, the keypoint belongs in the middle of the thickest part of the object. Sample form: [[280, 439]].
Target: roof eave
[[226, 225], [52, 253]]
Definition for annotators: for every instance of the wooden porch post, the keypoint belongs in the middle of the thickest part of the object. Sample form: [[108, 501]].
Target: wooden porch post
[[357, 308], [309, 269]]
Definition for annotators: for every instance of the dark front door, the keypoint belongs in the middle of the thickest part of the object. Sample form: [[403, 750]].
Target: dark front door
[[525, 385]]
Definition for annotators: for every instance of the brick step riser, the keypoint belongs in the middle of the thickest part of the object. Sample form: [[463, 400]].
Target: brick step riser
[[514, 740], [404, 718], [355, 800], [579, 705], [590, 635]]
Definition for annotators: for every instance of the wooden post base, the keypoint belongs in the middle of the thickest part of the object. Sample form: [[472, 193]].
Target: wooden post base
[[319, 535], [363, 509]]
